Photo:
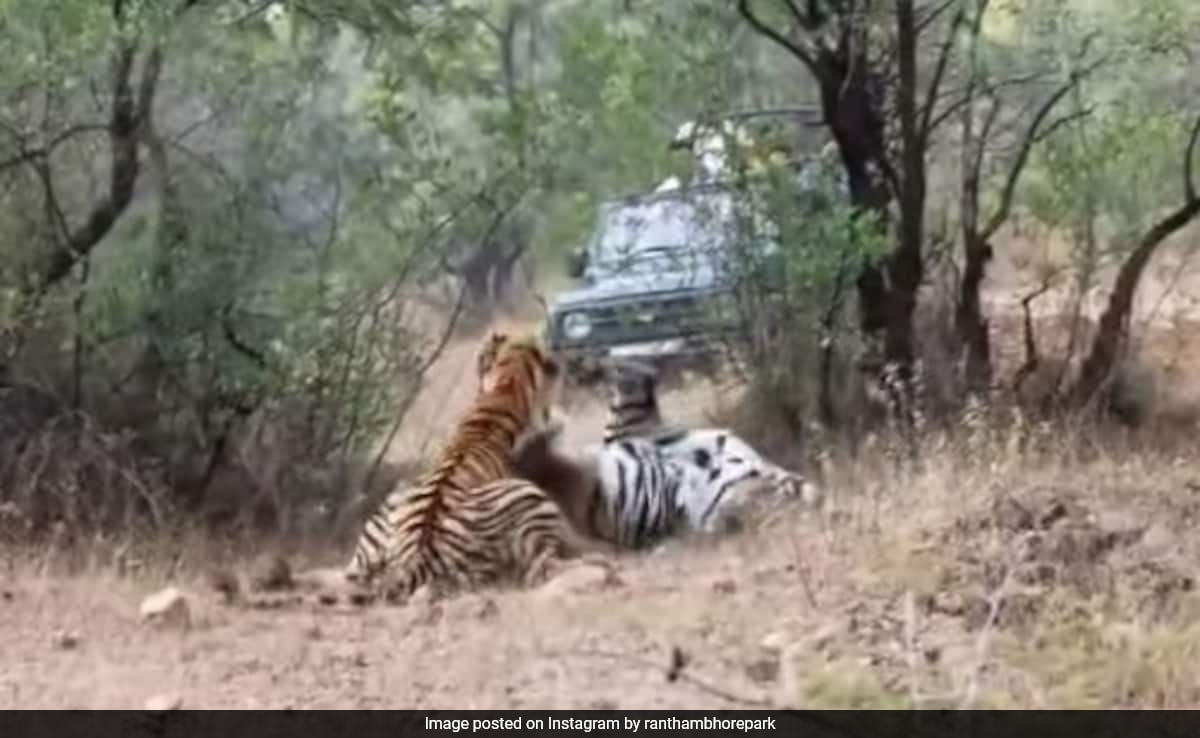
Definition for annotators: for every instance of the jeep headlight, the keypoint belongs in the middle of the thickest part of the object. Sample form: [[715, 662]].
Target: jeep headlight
[[576, 326]]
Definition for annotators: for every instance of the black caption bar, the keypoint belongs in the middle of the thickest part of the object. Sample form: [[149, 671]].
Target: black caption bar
[[447, 723], [606, 723]]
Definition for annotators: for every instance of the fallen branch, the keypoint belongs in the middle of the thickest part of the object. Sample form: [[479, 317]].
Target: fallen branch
[[680, 675]]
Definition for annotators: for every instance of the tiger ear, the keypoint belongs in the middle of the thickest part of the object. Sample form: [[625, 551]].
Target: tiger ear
[[489, 352]]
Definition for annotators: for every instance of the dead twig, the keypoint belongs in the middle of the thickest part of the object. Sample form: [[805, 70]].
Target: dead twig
[[680, 675], [984, 640]]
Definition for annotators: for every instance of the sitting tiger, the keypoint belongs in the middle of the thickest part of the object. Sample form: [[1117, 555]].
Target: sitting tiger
[[470, 521], [636, 488]]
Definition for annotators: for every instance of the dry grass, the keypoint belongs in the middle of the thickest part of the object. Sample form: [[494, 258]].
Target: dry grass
[[1017, 568]]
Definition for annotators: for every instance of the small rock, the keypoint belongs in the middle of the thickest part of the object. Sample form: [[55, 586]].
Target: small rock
[[763, 670], [1011, 515], [812, 495], [429, 614], [791, 675], [164, 702], [65, 639], [820, 639], [274, 601], [579, 579], [1159, 540], [273, 573], [772, 643], [724, 586], [360, 599], [423, 596], [948, 603], [1055, 511], [487, 609], [1119, 521], [328, 578], [168, 606], [327, 598], [225, 582]]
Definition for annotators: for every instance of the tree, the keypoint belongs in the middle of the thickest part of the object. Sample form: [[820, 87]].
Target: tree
[[983, 89], [1114, 321], [865, 62]]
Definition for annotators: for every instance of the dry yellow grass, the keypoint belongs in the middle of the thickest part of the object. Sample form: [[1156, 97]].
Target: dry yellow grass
[[1016, 572], [1018, 567]]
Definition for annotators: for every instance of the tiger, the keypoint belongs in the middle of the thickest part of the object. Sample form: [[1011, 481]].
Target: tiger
[[634, 490], [632, 401], [627, 494], [470, 520], [633, 411]]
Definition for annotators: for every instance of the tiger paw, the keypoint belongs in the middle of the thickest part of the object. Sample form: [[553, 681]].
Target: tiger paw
[[585, 574]]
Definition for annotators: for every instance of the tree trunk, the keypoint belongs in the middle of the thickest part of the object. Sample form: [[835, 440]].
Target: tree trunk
[[971, 323], [858, 131], [1114, 322], [905, 267]]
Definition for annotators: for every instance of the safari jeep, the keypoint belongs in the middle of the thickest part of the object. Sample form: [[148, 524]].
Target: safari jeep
[[660, 271], [658, 274]]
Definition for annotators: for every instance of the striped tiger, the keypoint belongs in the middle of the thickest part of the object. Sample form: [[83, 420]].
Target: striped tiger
[[633, 411], [645, 482], [469, 520], [624, 493]]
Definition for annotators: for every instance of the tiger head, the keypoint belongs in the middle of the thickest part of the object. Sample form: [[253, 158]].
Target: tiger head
[[631, 382], [507, 365]]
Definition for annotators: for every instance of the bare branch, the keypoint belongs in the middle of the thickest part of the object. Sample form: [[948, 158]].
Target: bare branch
[[128, 113], [255, 356], [1062, 121], [680, 675], [27, 154], [1113, 324], [804, 55], [1189, 155], [984, 134], [253, 11], [1018, 165], [989, 90], [935, 82], [932, 16]]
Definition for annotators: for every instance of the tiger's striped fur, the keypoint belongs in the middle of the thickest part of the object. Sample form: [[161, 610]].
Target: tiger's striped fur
[[469, 521], [625, 494], [726, 459], [634, 490]]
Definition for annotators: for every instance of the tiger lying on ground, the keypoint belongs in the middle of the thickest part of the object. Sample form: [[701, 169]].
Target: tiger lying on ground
[[634, 490], [470, 521], [633, 411]]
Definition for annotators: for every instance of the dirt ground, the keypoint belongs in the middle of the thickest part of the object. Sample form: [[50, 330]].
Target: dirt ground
[[1025, 582], [1016, 568]]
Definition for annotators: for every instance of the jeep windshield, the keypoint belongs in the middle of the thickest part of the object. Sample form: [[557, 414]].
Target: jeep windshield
[[663, 234]]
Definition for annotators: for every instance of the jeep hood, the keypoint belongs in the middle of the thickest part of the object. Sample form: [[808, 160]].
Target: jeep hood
[[617, 287]]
